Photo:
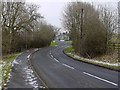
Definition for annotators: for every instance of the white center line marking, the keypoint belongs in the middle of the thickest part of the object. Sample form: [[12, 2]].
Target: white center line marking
[[52, 56], [68, 66], [28, 56], [50, 53], [56, 60], [100, 78]]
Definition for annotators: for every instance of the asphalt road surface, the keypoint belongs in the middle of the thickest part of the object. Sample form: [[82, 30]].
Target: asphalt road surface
[[60, 71], [22, 75], [51, 68]]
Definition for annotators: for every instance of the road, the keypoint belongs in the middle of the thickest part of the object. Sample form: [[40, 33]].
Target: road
[[60, 71], [22, 75]]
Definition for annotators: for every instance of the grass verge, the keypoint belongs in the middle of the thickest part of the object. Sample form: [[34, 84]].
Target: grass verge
[[6, 66], [69, 42], [53, 43], [69, 51], [0, 74]]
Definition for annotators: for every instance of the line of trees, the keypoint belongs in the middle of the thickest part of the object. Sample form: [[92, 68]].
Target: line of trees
[[90, 28], [23, 27]]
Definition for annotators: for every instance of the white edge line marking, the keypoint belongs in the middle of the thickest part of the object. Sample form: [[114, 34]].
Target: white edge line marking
[[68, 66], [56, 60], [100, 79]]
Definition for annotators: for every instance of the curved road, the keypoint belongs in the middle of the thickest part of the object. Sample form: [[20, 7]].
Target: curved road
[[22, 75], [60, 71]]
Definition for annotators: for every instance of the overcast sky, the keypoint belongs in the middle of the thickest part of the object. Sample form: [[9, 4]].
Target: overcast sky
[[52, 9]]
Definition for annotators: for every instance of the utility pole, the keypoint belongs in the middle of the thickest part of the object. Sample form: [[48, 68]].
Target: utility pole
[[26, 39], [10, 41], [81, 30], [81, 24]]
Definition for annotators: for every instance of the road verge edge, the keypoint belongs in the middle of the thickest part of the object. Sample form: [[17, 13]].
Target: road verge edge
[[30, 58], [85, 60]]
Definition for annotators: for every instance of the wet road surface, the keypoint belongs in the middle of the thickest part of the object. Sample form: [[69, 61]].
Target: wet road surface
[[51, 68], [22, 75], [60, 71]]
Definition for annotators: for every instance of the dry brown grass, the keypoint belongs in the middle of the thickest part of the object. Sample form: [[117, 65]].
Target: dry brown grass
[[110, 57]]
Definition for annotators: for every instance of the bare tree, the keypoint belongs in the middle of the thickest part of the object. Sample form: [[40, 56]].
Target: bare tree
[[17, 17], [86, 30], [0, 33]]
